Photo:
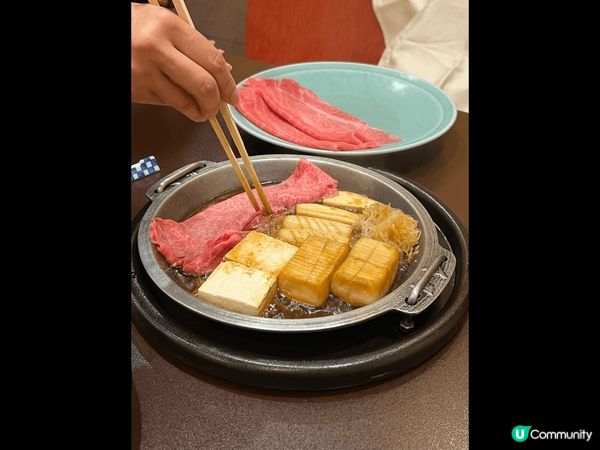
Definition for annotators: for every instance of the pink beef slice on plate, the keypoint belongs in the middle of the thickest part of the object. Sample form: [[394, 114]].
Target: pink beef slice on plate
[[253, 106], [288, 110], [198, 244]]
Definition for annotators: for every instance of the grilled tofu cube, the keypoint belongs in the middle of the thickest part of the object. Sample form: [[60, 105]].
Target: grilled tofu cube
[[367, 273], [307, 276], [294, 237], [349, 200], [239, 288], [321, 227], [326, 212], [262, 252], [297, 237]]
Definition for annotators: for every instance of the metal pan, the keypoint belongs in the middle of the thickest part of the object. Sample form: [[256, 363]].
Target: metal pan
[[183, 192]]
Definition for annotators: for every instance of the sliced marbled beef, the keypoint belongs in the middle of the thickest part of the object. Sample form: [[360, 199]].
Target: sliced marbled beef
[[198, 243], [289, 111]]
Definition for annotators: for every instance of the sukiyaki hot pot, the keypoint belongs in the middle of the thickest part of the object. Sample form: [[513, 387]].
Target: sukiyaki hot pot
[[410, 289]]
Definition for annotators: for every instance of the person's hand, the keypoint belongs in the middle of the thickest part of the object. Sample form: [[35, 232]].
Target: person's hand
[[173, 64]]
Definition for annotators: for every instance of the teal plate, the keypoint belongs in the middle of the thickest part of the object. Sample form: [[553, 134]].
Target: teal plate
[[398, 103]]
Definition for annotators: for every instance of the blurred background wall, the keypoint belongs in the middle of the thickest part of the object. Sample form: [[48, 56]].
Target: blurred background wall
[[288, 31], [224, 21]]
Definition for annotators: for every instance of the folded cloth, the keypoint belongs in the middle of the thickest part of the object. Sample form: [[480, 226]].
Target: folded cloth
[[428, 39], [144, 167]]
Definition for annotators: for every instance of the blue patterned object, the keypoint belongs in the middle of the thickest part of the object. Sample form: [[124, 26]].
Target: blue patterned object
[[145, 167]]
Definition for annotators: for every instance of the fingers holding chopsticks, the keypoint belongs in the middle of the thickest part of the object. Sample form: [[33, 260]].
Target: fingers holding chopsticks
[[206, 92], [171, 94], [196, 81], [174, 65], [200, 50]]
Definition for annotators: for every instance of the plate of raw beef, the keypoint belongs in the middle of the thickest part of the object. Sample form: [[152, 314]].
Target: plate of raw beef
[[341, 108]]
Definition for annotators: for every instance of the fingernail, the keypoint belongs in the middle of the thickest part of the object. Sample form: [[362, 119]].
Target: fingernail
[[229, 66]]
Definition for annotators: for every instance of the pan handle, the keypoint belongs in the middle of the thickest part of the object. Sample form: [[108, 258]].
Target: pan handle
[[161, 184], [416, 290], [431, 284]]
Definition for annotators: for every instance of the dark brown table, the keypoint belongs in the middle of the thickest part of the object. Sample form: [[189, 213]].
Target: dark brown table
[[175, 406]]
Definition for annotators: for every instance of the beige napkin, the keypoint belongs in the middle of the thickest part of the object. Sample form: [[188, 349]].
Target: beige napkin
[[429, 39]]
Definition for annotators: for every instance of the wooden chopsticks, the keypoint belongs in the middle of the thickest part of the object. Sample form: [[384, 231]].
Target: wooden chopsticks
[[237, 139], [234, 163], [183, 12]]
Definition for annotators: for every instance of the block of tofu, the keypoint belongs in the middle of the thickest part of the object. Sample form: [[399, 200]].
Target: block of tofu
[[323, 227], [239, 288], [262, 252], [367, 273], [349, 200], [326, 212], [307, 276], [296, 237]]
